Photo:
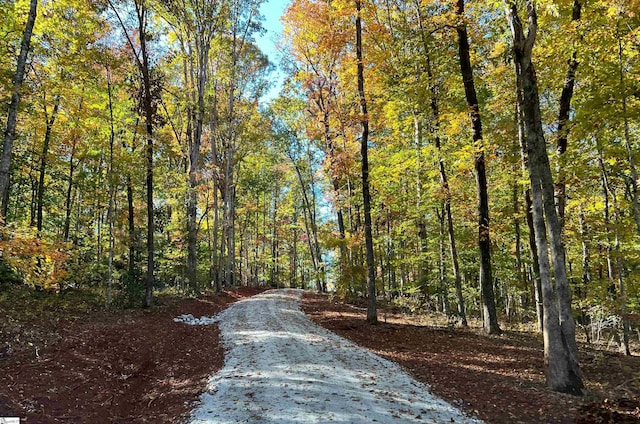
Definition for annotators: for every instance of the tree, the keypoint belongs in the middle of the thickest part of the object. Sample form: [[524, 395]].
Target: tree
[[372, 315], [561, 352], [142, 62], [564, 108], [490, 317], [319, 48], [10, 130], [197, 23]]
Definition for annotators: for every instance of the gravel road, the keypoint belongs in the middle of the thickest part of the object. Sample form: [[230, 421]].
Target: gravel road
[[282, 368]]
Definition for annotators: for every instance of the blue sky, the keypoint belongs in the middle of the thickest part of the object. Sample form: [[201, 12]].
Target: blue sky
[[272, 10]]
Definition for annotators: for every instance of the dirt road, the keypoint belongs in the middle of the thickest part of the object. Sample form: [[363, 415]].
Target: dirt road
[[282, 368]]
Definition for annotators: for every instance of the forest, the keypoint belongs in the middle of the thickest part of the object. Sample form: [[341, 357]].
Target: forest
[[473, 158]]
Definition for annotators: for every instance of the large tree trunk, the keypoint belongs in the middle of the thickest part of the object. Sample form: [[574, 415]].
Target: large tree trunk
[[484, 241], [561, 352], [10, 130], [372, 314]]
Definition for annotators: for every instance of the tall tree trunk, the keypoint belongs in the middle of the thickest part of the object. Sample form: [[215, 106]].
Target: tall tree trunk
[[142, 13], [43, 159], [561, 352], [112, 191], [274, 236], [229, 197], [564, 109], [216, 180], [215, 261], [372, 314], [193, 157], [142, 62], [533, 250], [203, 43], [484, 241], [10, 130]]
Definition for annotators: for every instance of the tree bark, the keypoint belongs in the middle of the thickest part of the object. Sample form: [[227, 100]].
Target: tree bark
[[561, 352], [10, 130], [372, 314], [484, 241]]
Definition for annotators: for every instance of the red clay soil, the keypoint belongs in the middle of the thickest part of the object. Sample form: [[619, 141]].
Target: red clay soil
[[497, 378], [119, 367]]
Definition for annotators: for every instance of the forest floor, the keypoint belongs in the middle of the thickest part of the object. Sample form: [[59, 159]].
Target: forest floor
[[497, 378], [65, 360]]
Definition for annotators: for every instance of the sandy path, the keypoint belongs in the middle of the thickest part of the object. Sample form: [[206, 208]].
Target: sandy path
[[282, 368]]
